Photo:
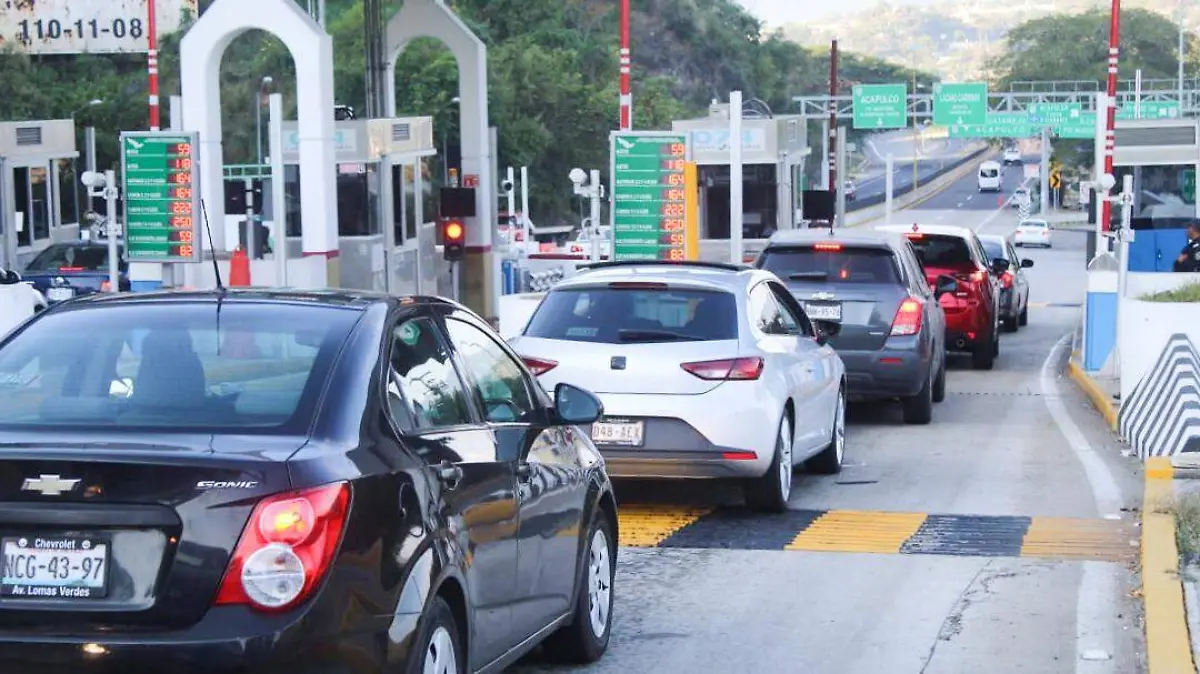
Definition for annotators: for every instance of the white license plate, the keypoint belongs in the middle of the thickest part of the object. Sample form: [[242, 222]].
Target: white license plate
[[823, 312], [54, 567], [60, 294], [618, 433]]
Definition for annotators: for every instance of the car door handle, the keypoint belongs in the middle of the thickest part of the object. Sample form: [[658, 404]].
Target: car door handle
[[450, 474]]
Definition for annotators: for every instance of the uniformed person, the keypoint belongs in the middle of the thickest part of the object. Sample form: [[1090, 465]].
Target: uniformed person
[[1189, 257]]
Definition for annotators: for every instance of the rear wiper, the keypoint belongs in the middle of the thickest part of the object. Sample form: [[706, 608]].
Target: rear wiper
[[640, 335], [809, 276]]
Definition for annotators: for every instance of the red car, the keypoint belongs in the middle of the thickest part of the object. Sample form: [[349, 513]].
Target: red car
[[973, 309]]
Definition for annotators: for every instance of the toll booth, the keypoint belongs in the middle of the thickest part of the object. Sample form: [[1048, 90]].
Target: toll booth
[[386, 203], [1163, 155], [39, 188], [774, 149]]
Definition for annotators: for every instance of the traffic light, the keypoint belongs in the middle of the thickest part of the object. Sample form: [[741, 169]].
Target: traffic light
[[454, 240]]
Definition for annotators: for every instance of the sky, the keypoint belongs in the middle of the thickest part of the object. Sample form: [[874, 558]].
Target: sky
[[777, 12]]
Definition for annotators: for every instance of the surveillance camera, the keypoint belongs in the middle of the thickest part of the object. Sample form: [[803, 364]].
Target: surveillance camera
[[1107, 182], [92, 179], [506, 185], [578, 176]]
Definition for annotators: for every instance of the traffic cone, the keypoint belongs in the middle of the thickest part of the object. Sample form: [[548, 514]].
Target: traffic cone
[[239, 269]]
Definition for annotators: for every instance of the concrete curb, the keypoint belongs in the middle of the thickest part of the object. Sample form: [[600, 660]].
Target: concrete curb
[[1100, 400], [1168, 643]]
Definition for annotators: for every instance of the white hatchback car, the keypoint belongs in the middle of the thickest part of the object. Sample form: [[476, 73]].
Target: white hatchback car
[[706, 371], [1032, 233]]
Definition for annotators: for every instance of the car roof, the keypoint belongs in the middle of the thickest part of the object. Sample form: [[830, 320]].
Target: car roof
[[336, 298], [862, 238], [710, 275], [937, 230], [1032, 221]]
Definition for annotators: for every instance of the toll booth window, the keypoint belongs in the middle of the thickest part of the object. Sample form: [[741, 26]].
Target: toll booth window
[[68, 192], [618, 315], [833, 265]]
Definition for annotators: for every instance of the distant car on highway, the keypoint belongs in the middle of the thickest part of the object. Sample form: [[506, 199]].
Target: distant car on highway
[[706, 371], [244, 480], [1033, 233], [973, 309], [851, 189], [1012, 155], [1014, 285], [1020, 198], [990, 177], [893, 330], [66, 270]]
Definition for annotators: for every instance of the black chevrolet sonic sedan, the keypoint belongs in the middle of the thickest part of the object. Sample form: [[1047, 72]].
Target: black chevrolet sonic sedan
[[277, 481]]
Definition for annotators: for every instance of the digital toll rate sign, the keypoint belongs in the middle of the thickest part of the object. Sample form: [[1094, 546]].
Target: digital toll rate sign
[[162, 196], [649, 195]]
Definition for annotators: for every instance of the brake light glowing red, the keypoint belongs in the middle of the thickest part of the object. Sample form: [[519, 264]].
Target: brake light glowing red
[[1007, 279], [70, 268], [729, 369], [287, 548], [828, 247], [908, 318], [739, 456], [105, 286], [539, 366], [914, 235]]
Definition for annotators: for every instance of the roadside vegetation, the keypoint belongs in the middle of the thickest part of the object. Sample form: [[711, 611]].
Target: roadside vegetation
[[1186, 511], [1186, 293]]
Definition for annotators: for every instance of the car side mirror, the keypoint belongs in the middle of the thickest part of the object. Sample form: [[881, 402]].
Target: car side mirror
[[826, 330], [1026, 263], [1000, 265], [945, 285], [573, 405], [11, 277]]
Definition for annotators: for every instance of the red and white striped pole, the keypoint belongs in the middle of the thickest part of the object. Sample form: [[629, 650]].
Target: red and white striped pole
[[1114, 52], [152, 62], [626, 92]]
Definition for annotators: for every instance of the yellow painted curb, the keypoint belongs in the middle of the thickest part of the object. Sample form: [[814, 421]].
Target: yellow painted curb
[[1100, 399], [1168, 646]]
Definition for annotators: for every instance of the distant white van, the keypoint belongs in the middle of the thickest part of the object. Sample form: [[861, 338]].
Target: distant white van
[[989, 176]]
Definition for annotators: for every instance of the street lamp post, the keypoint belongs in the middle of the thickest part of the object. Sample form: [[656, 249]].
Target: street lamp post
[[263, 89], [89, 142]]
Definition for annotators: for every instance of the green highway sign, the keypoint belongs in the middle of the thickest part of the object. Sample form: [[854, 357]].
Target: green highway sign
[[1151, 110], [162, 196], [998, 125], [1189, 186], [961, 103], [649, 206], [880, 106], [1082, 127], [1054, 114]]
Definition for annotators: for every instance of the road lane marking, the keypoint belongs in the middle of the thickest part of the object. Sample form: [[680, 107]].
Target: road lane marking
[[858, 531], [648, 526], [1095, 610]]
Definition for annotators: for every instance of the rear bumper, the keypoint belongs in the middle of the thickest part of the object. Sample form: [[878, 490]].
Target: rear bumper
[[887, 373], [228, 640], [688, 436]]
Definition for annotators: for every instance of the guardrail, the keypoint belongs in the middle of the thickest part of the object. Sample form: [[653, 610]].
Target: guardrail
[[874, 200]]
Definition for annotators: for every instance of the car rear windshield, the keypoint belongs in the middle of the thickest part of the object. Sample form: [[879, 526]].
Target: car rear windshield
[[615, 315], [71, 258], [184, 366], [831, 263], [937, 250], [989, 172]]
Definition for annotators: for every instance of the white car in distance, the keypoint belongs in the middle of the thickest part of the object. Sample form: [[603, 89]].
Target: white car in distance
[[1032, 233], [706, 371]]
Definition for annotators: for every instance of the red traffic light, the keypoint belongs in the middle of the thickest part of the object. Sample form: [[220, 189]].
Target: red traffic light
[[454, 231]]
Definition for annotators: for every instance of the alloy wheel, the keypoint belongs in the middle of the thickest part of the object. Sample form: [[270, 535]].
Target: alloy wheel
[[599, 583], [439, 655], [785, 459]]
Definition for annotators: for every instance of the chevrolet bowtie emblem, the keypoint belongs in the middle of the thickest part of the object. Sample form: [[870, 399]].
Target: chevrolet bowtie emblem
[[49, 485]]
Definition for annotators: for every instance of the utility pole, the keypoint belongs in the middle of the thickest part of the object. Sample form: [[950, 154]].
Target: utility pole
[[889, 187], [736, 213], [626, 63], [151, 66], [1044, 178], [1114, 52], [833, 118], [1182, 54]]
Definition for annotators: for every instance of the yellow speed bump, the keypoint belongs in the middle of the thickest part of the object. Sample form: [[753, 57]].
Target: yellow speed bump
[[858, 531], [1071, 538], [645, 526]]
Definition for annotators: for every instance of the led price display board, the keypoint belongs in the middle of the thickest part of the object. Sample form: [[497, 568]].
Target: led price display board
[[649, 196], [162, 196]]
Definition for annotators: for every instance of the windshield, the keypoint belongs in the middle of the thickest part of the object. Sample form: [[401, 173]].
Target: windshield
[[833, 264], [171, 367], [946, 252], [627, 315], [71, 258], [989, 173], [1035, 224]]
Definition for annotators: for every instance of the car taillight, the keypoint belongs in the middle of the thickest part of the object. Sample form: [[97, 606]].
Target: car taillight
[[828, 247], [908, 319], [105, 286], [1007, 279], [286, 548], [731, 369], [538, 366]]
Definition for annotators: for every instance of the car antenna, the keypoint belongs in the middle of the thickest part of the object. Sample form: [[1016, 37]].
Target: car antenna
[[212, 248]]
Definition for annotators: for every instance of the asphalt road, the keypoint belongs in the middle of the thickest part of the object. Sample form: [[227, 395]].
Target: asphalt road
[[1000, 538], [900, 145]]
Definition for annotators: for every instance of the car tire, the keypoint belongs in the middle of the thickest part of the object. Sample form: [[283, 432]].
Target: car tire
[[1011, 324], [771, 491], [585, 638], [438, 638], [1023, 319], [829, 461], [939, 384], [919, 408], [984, 355]]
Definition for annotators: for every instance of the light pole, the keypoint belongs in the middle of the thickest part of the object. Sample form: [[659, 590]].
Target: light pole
[[1182, 54], [89, 143], [264, 89], [445, 144]]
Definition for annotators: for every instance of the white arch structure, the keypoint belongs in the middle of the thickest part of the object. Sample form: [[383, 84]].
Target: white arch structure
[[433, 19], [201, 51]]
